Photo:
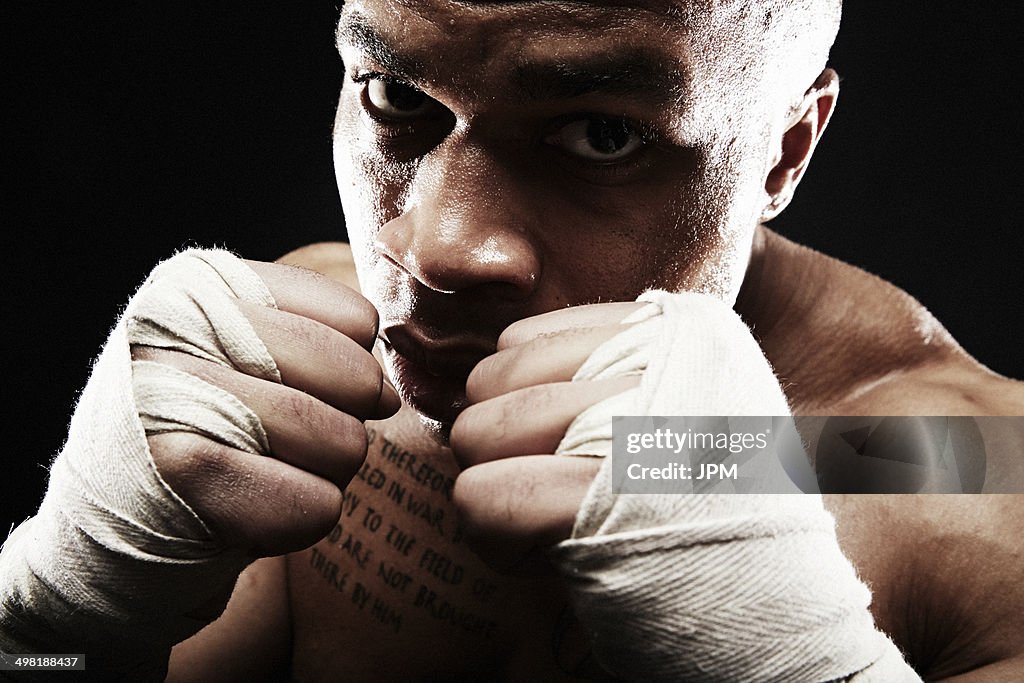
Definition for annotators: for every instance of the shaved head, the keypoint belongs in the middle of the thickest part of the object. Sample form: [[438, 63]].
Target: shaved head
[[798, 34], [766, 53]]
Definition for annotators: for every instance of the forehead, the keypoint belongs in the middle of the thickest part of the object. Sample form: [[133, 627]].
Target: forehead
[[535, 14], [694, 66], [444, 41], [602, 19]]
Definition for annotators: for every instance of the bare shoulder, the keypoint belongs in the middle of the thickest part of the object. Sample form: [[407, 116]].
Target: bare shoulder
[[333, 259], [924, 370], [844, 341], [956, 385], [250, 641]]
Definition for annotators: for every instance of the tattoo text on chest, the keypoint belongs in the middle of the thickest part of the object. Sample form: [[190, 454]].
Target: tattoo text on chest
[[395, 557]]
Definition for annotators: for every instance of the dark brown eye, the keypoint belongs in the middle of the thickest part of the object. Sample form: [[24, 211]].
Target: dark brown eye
[[396, 100], [597, 138]]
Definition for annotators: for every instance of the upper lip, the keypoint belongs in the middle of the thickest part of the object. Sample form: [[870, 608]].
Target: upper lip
[[445, 357]]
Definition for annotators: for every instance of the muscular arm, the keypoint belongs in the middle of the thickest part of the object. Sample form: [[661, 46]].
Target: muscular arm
[[946, 570], [945, 576]]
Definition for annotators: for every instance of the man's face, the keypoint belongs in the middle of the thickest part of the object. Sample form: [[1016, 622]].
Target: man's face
[[497, 161]]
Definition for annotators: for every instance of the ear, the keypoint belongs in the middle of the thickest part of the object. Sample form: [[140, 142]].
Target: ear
[[803, 130]]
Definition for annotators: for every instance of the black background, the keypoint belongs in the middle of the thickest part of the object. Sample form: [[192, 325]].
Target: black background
[[134, 128]]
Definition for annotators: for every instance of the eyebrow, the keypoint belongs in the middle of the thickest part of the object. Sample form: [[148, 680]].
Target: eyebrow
[[633, 73], [354, 30], [629, 74]]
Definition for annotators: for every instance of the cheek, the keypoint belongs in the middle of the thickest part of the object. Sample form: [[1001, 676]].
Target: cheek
[[661, 231], [371, 187], [713, 236], [739, 192], [695, 235]]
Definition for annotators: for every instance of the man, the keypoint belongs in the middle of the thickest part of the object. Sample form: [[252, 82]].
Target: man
[[497, 164]]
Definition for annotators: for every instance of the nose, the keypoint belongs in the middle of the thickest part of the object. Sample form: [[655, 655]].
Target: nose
[[464, 224]]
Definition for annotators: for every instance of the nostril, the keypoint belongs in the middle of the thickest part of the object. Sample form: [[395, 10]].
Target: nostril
[[513, 291], [449, 252], [411, 267], [387, 257]]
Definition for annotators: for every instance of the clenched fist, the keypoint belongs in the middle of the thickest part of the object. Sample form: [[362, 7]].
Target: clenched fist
[[515, 498], [320, 337]]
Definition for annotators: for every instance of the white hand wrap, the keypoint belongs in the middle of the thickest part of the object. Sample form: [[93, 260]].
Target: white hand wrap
[[114, 555], [709, 587]]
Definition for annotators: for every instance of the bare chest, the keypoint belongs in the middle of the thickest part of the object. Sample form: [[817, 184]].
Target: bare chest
[[393, 593]]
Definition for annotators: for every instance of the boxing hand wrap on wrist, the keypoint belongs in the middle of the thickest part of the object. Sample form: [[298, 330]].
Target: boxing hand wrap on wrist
[[114, 555], [709, 587]]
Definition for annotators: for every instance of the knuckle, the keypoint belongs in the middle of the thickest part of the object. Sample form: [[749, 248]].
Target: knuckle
[[472, 493], [372, 319], [523, 405], [464, 438], [189, 463], [342, 431], [370, 376], [357, 440], [299, 407], [487, 517], [304, 512], [514, 334], [322, 340], [480, 380], [174, 446], [351, 378], [321, 508], [364, 319], [202, 457], [296, 513], [347, 445], [304, 338], [288, 329]]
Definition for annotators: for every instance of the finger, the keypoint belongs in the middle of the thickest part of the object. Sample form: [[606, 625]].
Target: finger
[[511, 510], [321, 361], [315, 296], [590, 315], [527, 421], [258, 504], [546, 359], [302, 430]]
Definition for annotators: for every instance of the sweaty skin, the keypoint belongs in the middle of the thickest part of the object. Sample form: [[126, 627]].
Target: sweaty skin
[[944, 570], [498, 161]]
